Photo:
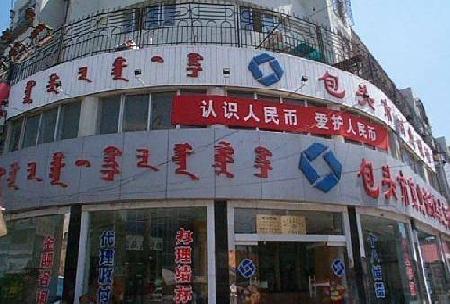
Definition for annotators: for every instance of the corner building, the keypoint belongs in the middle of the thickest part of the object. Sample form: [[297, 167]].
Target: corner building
[[211, 152]]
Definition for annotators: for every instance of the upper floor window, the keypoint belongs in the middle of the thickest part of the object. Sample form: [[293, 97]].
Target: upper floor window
[[68, 121], [253, 19], [15, 129], [160, 15], [59, 122], [131, 113]]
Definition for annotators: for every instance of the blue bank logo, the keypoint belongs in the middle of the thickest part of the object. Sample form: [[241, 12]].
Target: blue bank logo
[[338, 267], [270, 79], [247, 268], [323, 183]]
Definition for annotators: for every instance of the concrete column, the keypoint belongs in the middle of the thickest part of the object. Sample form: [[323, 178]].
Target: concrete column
[[88, 116]]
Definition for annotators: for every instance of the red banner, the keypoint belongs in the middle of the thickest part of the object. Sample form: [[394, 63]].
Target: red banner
[[251, 113]]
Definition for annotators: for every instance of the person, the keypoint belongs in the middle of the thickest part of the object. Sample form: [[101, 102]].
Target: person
[[337, 292]]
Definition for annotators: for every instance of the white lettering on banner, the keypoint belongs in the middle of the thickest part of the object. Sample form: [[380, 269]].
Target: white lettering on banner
[[337, 121], [231, 110], [208, 109], [32, 92], [362, 129], [321, 120], [350, 128], [372, 134], [271, 115], [290, 117], [251, 114]]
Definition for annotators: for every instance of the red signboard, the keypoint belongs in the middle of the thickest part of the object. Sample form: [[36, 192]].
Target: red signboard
[[250, 113]]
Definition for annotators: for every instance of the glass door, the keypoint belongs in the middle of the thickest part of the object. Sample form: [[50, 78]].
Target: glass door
[[289, 273]]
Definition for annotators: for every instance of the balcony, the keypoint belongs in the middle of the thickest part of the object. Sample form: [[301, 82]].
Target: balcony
[[197, 24]]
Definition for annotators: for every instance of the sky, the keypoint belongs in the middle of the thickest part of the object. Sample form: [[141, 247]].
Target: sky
[[411, 41]]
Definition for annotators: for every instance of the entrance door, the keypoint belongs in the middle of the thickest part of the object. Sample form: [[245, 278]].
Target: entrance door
[[289, 273]]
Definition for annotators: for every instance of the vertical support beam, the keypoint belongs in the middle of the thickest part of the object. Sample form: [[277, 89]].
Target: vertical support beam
[[222, 272], [359, 273], [70, 266]]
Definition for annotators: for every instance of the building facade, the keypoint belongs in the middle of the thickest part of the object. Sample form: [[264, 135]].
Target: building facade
[[211, 152]]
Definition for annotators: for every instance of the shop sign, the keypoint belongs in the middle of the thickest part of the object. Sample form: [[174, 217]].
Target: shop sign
[[268, 224], [291, 224], [45, 269], [106, 256], [338, 268], [247, 268], [326, 182], [183, 266], [409, 266], [205, 66], [411, 194], [250, 113], [375, 267]]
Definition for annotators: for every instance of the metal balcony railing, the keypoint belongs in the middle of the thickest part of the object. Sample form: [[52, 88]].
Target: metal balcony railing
[[202, 24]]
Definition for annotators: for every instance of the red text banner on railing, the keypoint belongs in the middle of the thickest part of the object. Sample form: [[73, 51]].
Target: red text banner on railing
[[238, 112]]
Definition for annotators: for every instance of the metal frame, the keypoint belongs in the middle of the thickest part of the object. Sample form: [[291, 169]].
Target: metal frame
[[82, 268]]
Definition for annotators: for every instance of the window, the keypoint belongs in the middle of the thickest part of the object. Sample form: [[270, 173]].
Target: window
[[310, 222], [109, 115], [255, 20], [142, 255], [31, 131], [391, 270], [160, 15], [135, 114], [161, 110], [47, 126], [69, 120], [21, 263], [14, 134]]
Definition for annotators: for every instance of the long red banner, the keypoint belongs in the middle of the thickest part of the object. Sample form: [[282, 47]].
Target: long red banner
[[205, 110]]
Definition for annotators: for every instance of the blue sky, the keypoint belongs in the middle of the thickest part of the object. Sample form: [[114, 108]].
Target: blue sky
[[411, 40]]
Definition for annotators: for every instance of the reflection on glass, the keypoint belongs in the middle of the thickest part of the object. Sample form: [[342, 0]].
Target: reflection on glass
[[109, 115], [289, 273], [31, 130], [135, 113], [435, 273], [143, 259], [390, 265], [69, 120], [16, 127], [47, 128], [30, 259], [161, 110]]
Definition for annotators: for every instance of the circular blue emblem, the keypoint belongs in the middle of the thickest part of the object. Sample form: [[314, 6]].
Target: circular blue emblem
[[338, 267], [247, 268], [323, 183], [267, 80]]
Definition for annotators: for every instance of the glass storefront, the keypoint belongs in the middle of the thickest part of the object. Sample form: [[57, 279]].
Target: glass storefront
[[32, 260], [283, 256], [436, 276], [391, 269], [147, 256]]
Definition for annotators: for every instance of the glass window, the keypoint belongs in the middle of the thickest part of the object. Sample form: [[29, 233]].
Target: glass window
[[31, 130], [14, 134], [31, 259], [135, 113], [161, 110], [69, 120], [434, 267], [139, 255], [109, 115], [287, 222], [391, 270], [48, 124]]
